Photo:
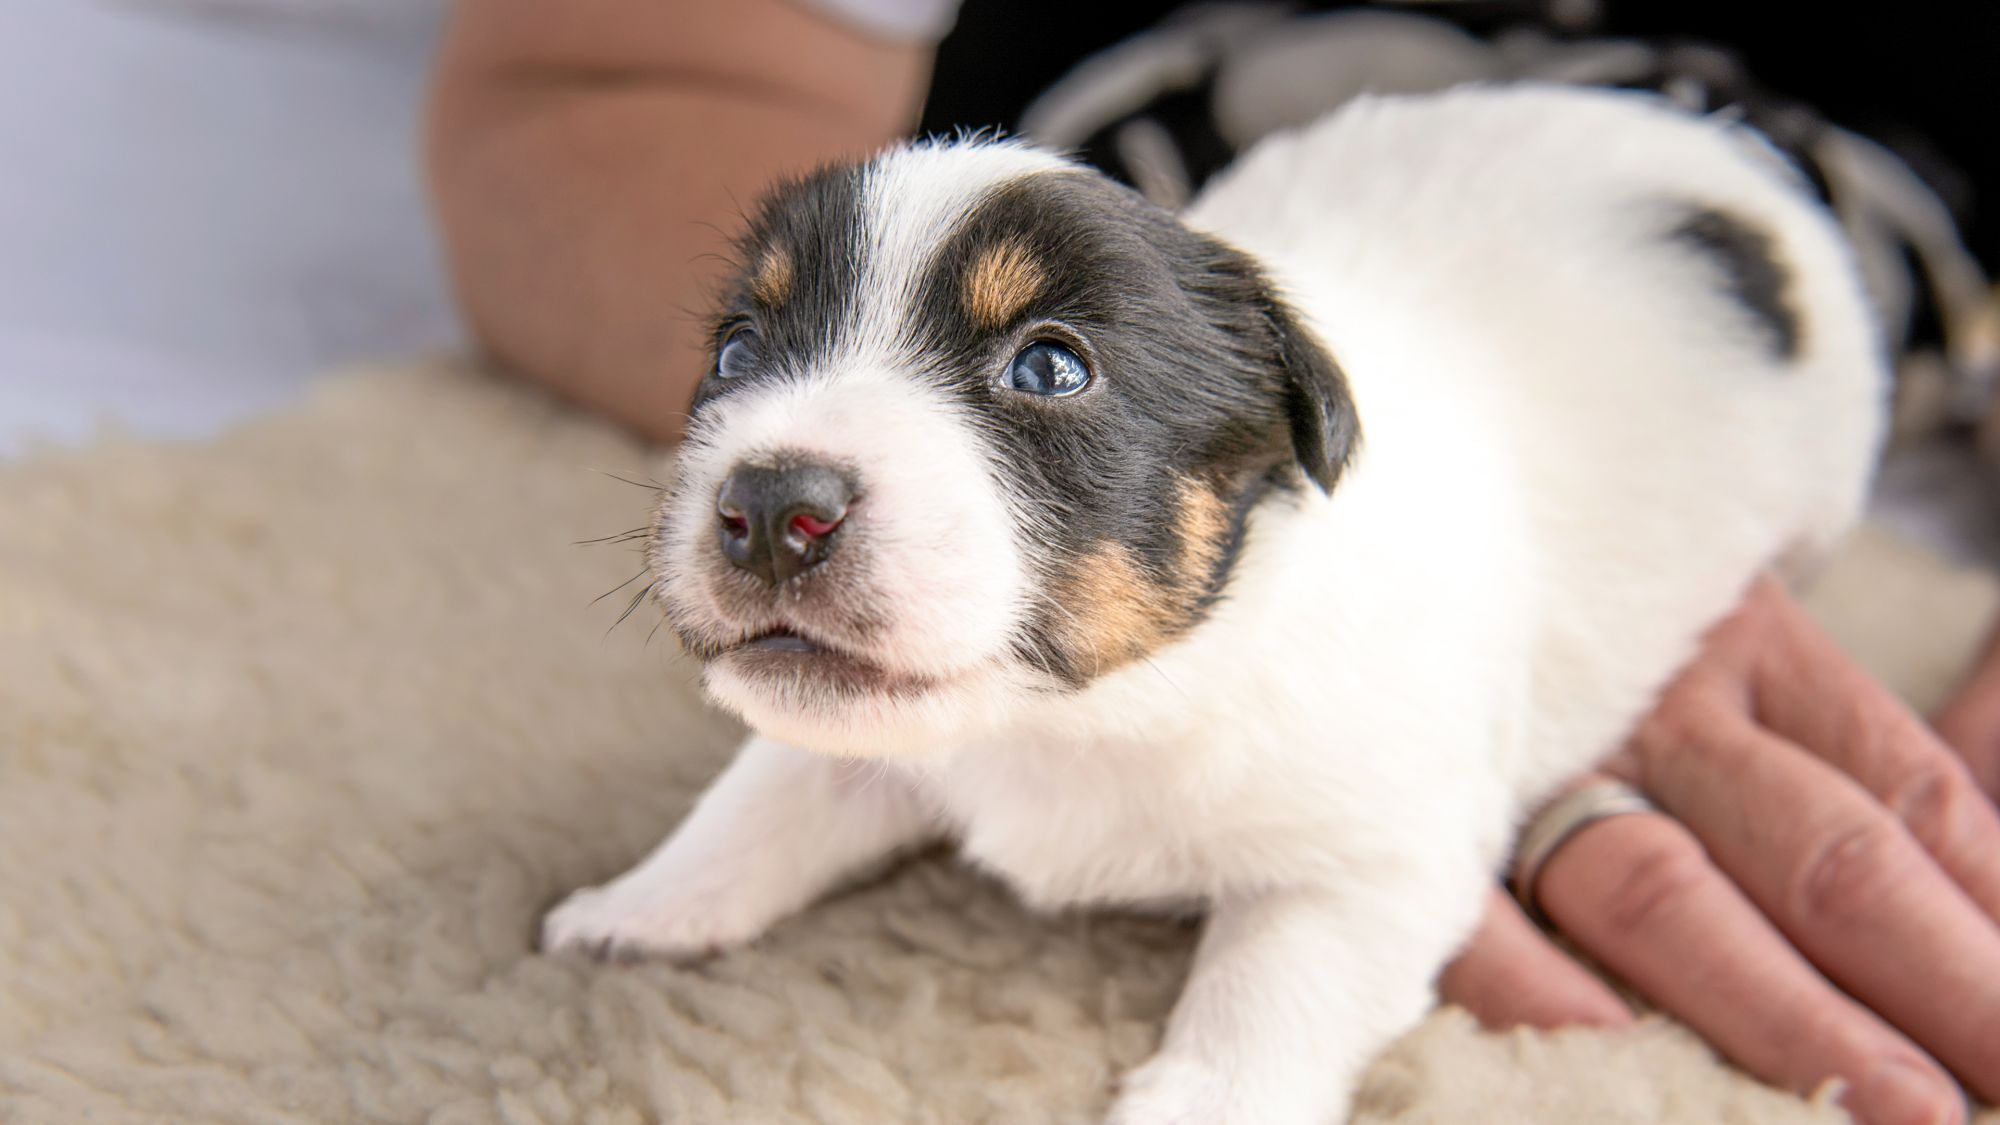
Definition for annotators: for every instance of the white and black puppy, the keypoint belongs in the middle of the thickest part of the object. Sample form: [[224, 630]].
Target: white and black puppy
[[1269, 559]]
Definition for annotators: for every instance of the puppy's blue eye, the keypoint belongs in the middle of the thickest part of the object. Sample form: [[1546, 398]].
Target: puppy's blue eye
[[1048, 369], [739, 354]]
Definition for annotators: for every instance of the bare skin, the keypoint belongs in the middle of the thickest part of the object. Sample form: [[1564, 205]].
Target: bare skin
[[1970, 719], [1821, 898], [590, 164]]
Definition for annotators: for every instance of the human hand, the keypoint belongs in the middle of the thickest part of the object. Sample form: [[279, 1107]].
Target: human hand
[[1970, 719], [1819, 895]]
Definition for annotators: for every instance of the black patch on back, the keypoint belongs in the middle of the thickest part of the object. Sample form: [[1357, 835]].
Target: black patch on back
[[1752, 274]]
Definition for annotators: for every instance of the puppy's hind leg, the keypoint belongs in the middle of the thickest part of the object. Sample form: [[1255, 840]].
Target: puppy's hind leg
[[777, 829]]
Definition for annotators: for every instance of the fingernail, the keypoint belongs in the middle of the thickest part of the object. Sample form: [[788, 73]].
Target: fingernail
[[1902, 1093]]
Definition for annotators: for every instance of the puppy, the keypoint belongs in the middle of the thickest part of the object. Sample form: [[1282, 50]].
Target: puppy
[[1270, 559]]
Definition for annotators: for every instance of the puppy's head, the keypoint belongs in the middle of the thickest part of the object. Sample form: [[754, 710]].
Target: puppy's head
[[979, 426]]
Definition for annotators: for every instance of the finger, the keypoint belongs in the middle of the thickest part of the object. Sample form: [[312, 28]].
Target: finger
[[1843, 880], [1637, 894], [1510, 975], [1808, 691], [1970, 719]]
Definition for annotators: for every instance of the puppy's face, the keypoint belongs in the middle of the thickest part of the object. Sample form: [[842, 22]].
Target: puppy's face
[[980, 426]]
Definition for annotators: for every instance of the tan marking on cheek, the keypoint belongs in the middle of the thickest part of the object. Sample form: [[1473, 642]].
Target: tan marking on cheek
[[1204, 536], [1002, 280], [772, 283], [1112, 613]]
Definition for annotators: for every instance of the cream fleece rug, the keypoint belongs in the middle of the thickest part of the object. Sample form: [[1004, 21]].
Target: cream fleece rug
[[301, 730]]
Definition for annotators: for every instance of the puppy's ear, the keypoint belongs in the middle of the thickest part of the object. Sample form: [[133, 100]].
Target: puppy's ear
[[1325, 427]]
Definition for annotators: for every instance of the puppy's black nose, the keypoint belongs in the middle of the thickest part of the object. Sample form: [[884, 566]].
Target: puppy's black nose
[[779, 521]]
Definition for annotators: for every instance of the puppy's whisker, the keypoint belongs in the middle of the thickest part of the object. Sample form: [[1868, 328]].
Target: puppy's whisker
[[650, 486], [630, 606], [618, 587], [618, 537]]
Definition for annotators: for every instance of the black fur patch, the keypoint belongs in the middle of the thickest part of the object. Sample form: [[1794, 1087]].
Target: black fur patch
[[816, 223], [1752, 274], [1200, 373]]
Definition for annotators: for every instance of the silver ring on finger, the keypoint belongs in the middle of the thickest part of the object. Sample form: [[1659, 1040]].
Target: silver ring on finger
[[1558, 822]]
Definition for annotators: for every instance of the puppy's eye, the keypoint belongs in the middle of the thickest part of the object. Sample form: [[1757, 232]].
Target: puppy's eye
[[1048, 369], [738, 355]]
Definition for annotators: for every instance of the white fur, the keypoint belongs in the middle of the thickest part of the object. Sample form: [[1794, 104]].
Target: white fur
[[1527, 547]]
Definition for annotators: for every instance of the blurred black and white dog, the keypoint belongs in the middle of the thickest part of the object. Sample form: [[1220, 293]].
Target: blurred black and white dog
[[1270, 559]]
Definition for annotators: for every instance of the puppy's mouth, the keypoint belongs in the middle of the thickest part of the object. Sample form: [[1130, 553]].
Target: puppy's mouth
[[784, 640], [786, 657]]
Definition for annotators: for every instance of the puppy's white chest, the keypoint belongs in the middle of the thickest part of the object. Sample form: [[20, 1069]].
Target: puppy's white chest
[[1082, 823]]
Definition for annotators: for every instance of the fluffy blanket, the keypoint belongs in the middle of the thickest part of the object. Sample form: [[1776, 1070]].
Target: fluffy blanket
[[302, 729]]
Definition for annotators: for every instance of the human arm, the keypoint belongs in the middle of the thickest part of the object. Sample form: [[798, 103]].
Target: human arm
[[590, 165]]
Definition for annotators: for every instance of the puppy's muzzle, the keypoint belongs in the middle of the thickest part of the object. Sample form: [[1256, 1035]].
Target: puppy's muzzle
[[779, 521]]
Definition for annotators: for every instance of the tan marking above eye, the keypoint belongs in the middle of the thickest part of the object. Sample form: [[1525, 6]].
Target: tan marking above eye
[[1003, 278], [772, 282]]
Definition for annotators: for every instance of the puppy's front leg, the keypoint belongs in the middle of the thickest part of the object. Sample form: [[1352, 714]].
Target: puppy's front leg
[[775, 830], [1291, 994]]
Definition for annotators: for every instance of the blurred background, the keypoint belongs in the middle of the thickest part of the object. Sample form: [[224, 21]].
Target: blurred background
[[204, 204]]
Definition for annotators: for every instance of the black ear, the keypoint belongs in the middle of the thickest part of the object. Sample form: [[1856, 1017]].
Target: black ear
[[1325, 427]]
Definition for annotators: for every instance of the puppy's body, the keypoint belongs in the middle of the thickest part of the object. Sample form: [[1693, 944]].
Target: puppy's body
[[1567, 290], [1607, 365]]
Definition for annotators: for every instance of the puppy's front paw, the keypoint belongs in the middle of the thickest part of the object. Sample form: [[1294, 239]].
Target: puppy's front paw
[[629, 920], [1171, 1091]]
